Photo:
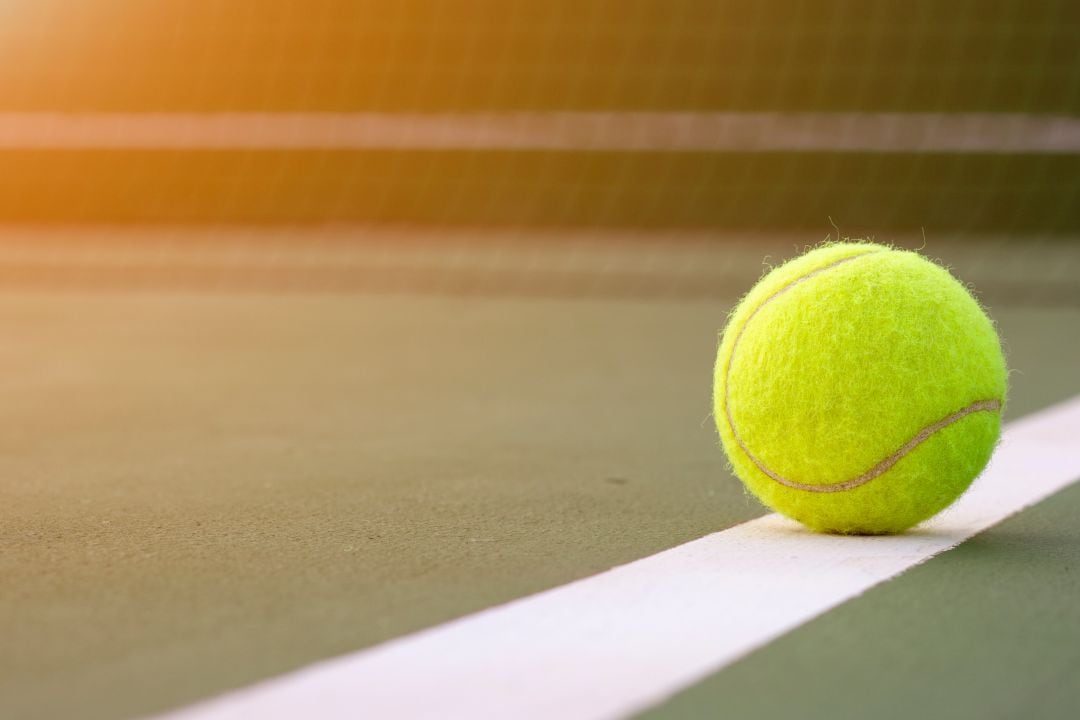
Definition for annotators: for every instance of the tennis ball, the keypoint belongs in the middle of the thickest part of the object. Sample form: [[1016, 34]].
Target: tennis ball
[[858, 389]]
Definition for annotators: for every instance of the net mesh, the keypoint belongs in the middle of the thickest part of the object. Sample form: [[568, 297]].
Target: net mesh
[[886, 116]]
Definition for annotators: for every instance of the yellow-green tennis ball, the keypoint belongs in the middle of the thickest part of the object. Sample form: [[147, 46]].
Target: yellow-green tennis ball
[[858, 389]]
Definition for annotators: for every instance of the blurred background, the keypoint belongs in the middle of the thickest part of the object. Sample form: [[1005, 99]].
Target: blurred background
[[755, 116]]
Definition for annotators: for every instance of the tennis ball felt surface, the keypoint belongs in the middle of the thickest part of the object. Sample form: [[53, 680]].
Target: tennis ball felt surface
[[858, 389]]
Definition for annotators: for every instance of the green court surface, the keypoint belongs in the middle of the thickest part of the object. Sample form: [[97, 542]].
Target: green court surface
[[988, 630], [222, 466]]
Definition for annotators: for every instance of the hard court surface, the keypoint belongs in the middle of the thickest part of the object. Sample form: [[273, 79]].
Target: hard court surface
[[220, 464]]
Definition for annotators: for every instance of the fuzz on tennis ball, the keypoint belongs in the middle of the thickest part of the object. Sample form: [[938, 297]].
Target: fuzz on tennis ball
[[858, 389]]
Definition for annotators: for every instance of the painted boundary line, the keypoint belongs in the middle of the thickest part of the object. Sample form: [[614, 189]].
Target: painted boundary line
[[619, 642], [632, 131]]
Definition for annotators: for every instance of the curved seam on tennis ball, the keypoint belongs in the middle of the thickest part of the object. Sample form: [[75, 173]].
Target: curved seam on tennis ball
[[882, 467]]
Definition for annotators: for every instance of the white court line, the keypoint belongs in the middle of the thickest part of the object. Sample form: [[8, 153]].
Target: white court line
[[616, 643], [631, 131]]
